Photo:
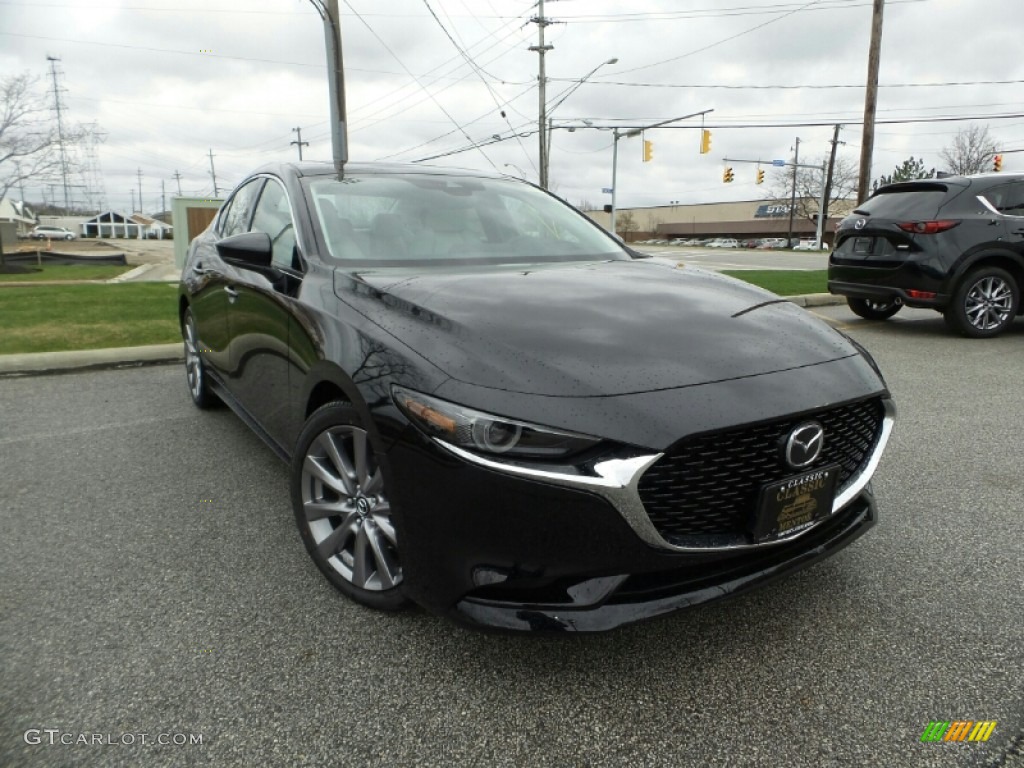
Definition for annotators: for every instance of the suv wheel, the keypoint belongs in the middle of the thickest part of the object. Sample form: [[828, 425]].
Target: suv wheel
[[871, 309], [194, 369], [984, 304], [342, 510]]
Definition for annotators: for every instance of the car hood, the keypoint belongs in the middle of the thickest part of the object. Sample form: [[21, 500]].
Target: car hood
[[590, 329]]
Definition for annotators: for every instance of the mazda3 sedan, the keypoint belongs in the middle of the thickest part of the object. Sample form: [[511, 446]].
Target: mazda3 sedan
[[494, 409]]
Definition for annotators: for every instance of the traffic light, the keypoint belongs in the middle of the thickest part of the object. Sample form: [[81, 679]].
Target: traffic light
[[760, 175], [705, 141], [727, 175], [648, 150], [997, 163]]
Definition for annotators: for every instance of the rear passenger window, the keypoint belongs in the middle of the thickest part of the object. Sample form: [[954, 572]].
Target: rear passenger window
[[1008, 199]]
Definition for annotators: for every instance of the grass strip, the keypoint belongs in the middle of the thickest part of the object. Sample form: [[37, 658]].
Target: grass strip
[[785, 282], [56, 318]]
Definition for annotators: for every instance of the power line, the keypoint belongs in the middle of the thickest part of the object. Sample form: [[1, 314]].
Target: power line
[[780, 87], [402, 64]]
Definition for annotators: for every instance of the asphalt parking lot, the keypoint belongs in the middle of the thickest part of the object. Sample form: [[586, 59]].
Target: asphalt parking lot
[[152, 583]]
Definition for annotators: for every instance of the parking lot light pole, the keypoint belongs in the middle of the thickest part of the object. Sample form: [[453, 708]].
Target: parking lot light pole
[[328, 10]]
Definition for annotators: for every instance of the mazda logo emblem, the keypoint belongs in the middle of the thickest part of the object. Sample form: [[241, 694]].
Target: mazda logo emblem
[[804, 444], [860, 223]]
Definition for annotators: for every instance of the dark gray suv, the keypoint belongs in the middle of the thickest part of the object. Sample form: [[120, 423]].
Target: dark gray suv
[[955, 245]]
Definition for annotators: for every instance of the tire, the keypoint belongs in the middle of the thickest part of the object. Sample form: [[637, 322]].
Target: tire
[[984, 303], [871, 309], [69, 237], [342, 511], [195, 370]]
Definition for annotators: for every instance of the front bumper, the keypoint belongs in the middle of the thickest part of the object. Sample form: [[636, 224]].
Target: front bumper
[[626, 599], [493, 549]]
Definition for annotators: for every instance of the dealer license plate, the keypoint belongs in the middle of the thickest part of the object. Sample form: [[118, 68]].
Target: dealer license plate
[[863, 245], [791, 505]]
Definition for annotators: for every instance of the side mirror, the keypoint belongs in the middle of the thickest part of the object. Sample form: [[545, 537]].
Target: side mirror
[[250, 250]]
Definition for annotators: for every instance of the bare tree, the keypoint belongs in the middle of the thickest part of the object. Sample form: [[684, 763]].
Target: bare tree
[[626, 223], [28, 136], [808, 187], [972, 151]]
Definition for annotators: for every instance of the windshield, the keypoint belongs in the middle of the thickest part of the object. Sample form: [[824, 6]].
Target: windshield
[[420, 219]]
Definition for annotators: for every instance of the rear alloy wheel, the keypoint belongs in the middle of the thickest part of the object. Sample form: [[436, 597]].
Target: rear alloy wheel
[[194, 368], [342, 510], [874, 309], [984, 303]]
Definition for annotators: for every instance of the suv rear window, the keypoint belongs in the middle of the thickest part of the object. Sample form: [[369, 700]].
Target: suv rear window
[[917, 201]]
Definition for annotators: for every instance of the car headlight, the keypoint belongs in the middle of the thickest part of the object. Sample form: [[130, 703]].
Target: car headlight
[[484, 433]]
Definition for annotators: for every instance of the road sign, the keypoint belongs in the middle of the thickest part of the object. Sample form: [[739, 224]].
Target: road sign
[[606, 190], [778, 163]]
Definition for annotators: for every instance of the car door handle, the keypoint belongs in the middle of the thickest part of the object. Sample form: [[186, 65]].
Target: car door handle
[[231, 292]]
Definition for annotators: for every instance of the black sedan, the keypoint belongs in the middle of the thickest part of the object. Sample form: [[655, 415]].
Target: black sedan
[[493, 408]]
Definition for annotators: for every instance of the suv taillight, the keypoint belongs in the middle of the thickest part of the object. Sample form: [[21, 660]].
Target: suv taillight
[[928, 227]]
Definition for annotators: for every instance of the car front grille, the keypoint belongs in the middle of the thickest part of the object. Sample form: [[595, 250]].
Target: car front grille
[[707, 486]]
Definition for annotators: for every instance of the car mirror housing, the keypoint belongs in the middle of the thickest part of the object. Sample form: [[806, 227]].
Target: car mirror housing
[[250, 250]]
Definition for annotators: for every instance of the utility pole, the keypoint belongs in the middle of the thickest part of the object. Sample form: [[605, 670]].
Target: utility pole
[[140, 190], [177, 178], [133, 203], [792, 198], [867, 143], [163, 198], [60, 129], [300, 143], [542, 81], [213, 173], [827, 196]]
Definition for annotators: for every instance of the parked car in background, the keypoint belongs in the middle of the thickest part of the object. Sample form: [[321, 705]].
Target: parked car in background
[[723, 242], [408, 339], [810, 245], [955, 245], [46, 232], [772, 242]]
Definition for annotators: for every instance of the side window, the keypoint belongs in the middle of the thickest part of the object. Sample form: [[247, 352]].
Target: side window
[[274, 217], [1011, 202], [236, 217]]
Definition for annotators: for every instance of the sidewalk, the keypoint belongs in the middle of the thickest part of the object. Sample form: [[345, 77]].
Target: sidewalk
[[33, 363]]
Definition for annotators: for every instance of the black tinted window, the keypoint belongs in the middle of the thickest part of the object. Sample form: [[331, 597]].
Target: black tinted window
[[911, 203], [1008, 199]]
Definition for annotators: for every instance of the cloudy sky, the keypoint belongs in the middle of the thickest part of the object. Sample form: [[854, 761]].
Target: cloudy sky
[[166, 81]]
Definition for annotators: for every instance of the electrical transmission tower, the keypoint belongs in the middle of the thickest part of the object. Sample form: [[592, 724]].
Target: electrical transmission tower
[[95, 192], [59, 108]]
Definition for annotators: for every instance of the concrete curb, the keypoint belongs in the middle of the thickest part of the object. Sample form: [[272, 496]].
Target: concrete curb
[[817, 300], [60, 362], [28, 364]]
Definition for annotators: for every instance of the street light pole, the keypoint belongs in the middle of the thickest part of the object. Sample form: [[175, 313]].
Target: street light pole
[[328, 10]]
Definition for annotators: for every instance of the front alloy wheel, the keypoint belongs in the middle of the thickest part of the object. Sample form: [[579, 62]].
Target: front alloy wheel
[[984, 304], [195, 371], [342, 510], [874, 309]]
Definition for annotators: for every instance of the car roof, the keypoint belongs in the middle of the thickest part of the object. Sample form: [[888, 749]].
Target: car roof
[[308, 168]]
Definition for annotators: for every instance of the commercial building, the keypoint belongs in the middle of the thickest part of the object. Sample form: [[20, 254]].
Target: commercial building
[[744, 219]]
